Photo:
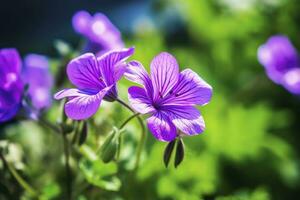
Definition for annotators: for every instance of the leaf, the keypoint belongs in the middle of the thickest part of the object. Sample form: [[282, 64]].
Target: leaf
[[100, 174]]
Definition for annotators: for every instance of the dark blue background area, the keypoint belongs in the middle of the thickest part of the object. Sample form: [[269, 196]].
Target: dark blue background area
[[33, 25]]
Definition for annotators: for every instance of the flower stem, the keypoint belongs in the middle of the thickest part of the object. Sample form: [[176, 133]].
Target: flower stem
[[18, 177], [143, 134], [128, 120], [67, 166], [48, 124]]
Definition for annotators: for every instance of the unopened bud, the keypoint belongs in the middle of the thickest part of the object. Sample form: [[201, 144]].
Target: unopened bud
[[168, 152], [179, 156], [110, 147]]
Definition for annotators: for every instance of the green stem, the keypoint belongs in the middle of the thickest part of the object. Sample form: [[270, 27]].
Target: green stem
[[18, 178], [128, 120], [48, 124], [143, 134], [67, 166]]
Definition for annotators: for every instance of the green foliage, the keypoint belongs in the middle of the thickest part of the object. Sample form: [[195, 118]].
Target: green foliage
[[249, 148]]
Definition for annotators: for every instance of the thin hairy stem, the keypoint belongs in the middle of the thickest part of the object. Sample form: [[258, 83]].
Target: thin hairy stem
[[143, 133], [128, 120], [67, 166]]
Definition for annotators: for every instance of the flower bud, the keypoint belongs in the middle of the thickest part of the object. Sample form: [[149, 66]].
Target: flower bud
[[68, 126], [83, 133], [179, 152], [110, 146], [168, 152]]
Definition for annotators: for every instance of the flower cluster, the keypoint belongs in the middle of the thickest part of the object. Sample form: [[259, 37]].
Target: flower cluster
[[13, 79], [168, 96], [282, 62]]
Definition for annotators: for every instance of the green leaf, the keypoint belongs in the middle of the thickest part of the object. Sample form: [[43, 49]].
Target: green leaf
[[100, 174]]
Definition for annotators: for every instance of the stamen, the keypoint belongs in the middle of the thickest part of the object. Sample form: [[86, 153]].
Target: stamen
[[160, 95]]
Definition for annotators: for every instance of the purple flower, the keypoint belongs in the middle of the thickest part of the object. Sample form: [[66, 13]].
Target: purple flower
[[168, 96], [11, 86], [95, 79], [281, 62], [102, 35], [291, 80], [37, 75]]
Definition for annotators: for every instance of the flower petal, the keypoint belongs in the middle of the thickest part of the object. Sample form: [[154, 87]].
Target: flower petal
[[139, 100], [8, 113], [82, 105], [68, 93], [161, 127], [103, 32], [112, 64], [278, 55], [164, 74], [186, 118], [10, 61], [136, 72], [81, 21], [37, 75], [190, 90], [9, 105], [84, 72], [291, 81]]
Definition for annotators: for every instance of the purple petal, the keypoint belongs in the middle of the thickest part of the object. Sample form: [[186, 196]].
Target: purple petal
[[112, 64], [164, 74], [8, 113], [11, 85], [36, 73], [68, 93], [10, 61], [139, 100], [81, 105], [10, 68], [161, 127], [278, 55], [9, 105], [103, 32], [186, 118], [190, 90], [291, 80], [84, 72], [136, 72], [81, 21]]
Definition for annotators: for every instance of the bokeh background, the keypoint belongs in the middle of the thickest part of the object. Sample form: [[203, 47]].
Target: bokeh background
[[250, 149]]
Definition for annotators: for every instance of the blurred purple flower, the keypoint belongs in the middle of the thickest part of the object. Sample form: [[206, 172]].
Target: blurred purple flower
[[37, 75], [169, 96], [95, 79], [281, 62], [11, 86], [101, 34]]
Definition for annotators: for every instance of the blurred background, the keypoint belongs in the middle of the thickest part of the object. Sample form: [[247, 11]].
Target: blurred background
[[250, 149]]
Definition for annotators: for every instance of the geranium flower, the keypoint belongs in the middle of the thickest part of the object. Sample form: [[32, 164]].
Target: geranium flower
[[101, 34], [281, 62], [95, 79], [11, 86], [168, 96], [37, 75]]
